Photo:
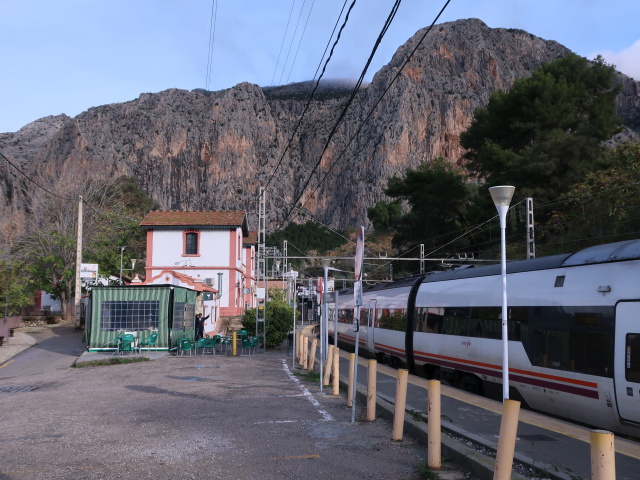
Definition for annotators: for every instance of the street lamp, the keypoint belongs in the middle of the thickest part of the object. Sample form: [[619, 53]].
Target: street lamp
[[324, 334], [6, 304], [121, 252], [501, 196], [133, 263]]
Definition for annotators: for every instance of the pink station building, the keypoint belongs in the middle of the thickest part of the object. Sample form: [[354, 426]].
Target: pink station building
[[210, 252]]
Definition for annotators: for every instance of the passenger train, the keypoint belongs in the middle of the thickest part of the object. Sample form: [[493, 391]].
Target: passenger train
[[573, 328]]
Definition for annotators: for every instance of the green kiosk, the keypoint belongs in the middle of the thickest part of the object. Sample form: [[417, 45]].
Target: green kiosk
[[141, 310]]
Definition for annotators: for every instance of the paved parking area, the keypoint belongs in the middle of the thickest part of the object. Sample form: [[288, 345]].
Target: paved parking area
[[192, 417]]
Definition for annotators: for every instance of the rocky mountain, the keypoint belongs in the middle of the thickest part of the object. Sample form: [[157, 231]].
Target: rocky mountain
[[204, 150]]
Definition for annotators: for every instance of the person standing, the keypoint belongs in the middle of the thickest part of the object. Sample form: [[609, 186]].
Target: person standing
[[200, 326]]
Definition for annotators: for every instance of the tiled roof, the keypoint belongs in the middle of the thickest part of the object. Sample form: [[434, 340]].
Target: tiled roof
[[194, 219], [251, 239], [197, 286]]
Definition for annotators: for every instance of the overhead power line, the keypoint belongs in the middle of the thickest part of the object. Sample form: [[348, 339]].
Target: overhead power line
[[293, 37], [284, 37], [301, 37], [33, 181], [212, 34], [348, 104], [341, 154], [306, 107]]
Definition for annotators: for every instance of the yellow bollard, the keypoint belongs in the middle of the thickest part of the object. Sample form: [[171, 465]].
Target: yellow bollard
[[299, 347], [312, 355], [401, 401], [305, 346], [234, 348], [372, 366], [603, 455], [335, 385], [507, 439], [434, 432], [352, 367], [326, 378]]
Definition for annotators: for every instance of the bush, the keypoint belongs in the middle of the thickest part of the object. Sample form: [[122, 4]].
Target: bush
[[279, 319]]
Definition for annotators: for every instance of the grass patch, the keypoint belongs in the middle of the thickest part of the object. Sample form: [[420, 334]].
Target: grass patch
[[425, 472], [111, 361], [417, 416], [312, 376]]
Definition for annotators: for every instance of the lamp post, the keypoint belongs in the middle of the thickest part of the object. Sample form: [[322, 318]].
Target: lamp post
[[324, 334], [501, 197], [121, 252], [133, 263], [6, 303]]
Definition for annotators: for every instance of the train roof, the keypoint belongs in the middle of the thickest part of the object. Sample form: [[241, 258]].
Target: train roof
[[611, 252]]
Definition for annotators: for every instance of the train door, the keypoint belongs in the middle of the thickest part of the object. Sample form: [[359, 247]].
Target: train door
[[627, 360], [371, 323]]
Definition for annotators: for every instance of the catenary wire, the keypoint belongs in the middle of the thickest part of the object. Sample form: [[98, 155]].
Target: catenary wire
[[306, 107], [341, 154], [293, 37], [284, 37], [347, 105], [301, 37]]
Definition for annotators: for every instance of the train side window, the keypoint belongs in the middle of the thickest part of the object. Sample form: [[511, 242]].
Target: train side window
[[486, 322], [576, 339], [456, 321], [393, 320], [364, 317], [434, 320], [632, 358]]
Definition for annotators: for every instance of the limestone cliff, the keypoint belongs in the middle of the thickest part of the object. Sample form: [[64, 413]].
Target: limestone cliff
[[202, 150]]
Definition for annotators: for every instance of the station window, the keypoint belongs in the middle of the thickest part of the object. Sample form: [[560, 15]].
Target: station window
[[191, 243]]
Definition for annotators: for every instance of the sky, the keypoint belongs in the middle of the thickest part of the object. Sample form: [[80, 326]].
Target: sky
[[66, 56]]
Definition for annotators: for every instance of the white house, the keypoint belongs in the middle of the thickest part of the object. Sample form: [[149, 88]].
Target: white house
[[210, 252]]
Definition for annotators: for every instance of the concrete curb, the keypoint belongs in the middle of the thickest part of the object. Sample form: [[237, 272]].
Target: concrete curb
[[16, 344], [479, 465]]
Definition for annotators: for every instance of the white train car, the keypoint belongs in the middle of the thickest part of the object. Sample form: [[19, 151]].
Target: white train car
[[574, 331]]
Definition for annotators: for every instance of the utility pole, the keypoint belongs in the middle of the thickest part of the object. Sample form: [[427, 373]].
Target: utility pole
[[531, 243], [78, 294], [261, 272]]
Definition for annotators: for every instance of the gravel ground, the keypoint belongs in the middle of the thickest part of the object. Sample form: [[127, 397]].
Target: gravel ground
[[193, 417]]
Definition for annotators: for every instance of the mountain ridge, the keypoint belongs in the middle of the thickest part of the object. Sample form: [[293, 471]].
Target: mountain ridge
[[206, 150]]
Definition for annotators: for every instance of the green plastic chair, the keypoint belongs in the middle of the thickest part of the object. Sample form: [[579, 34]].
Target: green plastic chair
[[249, 344], [226, 343], [216, 340], [115, 343], [201, 343], [127, 344], [186, 345], [212, 342], [149, 342]]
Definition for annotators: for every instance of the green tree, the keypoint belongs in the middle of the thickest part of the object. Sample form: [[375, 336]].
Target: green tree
[[278, 320], [15, 288], [546, 133], [307, 237], [49, 247], [605, 207], [121, 227], [437, 195], [385, 215]]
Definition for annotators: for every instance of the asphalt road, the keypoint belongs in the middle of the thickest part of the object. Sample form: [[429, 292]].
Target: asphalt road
[[182, 418]]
